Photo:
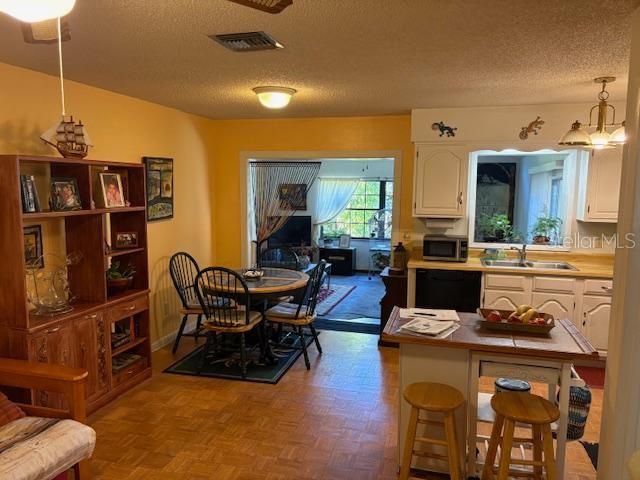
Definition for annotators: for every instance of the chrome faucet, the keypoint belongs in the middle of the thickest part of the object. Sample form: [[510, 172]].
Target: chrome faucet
[[522, 252]]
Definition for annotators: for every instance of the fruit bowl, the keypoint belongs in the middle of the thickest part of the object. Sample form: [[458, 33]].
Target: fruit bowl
[[505, 325]]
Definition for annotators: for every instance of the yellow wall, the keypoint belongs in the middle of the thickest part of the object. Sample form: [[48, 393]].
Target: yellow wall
[[206, 157], [123, 129], [229, 138]]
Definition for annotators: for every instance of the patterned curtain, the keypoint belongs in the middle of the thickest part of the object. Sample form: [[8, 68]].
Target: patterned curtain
[[278, 189]]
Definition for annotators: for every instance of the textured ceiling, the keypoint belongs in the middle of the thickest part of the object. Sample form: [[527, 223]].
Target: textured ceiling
[[345, 57]]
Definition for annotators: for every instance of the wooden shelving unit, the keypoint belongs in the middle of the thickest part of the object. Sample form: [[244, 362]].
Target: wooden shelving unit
[[81, 337]]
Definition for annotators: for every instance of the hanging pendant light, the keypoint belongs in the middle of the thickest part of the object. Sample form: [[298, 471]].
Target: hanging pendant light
[[619, 136], [600, 138], [32, 11], [68, 137]]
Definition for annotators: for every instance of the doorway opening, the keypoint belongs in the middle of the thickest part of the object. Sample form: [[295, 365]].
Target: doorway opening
[[348, 218]]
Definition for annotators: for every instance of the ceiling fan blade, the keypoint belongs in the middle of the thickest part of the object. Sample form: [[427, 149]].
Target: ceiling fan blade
[[269, 6]]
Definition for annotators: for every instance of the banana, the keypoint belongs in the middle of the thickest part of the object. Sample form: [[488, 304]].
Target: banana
[[522, 309], [529, 315]]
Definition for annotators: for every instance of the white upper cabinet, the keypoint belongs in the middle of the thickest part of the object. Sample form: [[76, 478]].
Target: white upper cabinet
[[600, 172], [440, 182]]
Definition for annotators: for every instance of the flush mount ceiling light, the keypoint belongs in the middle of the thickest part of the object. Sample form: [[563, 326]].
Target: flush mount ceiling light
[[601, 138], [36, 10], [274, 97]]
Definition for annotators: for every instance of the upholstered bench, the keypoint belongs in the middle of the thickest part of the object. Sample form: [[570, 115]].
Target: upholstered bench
[[35, 448], [38, 443]]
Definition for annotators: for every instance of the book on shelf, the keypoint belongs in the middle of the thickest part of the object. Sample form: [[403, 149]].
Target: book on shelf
[[123, 360], [119, 339], [30, 198]]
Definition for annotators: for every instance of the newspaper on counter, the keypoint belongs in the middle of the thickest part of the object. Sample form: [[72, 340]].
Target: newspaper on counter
[[430, 314]]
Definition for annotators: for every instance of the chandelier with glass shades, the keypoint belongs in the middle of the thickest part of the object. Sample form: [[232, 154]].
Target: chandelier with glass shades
[[32, 11], [600, 138]]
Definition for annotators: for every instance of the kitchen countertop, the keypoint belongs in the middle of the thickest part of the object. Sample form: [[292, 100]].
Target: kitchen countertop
[[564, 341], [588, 265]]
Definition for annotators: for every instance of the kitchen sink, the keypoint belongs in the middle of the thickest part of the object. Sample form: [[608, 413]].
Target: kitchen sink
[[528, 264], [504, 263], [551, 265]]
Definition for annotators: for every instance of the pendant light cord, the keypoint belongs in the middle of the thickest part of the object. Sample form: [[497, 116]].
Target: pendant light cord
[[60, 62]]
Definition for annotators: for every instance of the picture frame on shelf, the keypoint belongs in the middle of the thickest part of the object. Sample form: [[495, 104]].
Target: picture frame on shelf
[[112, 191], [159, 174], [345, 241], [30, 198], [65, 194], [126, 240], [33, 246]]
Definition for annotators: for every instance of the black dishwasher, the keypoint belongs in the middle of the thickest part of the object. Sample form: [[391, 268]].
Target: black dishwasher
[[448, 289]]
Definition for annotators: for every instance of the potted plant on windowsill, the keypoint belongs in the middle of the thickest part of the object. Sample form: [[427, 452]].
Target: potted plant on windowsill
[[544, 228], [496, 228]]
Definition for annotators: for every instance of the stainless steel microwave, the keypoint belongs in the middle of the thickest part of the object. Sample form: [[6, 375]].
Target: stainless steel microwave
[[447, 248]]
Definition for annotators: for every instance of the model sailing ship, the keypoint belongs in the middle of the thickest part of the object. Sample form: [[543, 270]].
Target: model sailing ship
[[69, 138]]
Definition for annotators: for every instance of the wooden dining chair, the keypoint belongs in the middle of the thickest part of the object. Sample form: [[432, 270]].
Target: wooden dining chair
[[183, 269], [232, 316], [281, 257], [301, 314]]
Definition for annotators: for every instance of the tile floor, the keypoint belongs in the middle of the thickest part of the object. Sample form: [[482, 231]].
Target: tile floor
[[336, 421]]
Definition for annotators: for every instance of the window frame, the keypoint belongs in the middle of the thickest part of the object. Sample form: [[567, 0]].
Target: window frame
[[571, 168], [382, 200]]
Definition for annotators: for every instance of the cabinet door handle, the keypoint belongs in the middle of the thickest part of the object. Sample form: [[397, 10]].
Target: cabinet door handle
[[460, 198], [53, 330], [608, 290], [91, 317]]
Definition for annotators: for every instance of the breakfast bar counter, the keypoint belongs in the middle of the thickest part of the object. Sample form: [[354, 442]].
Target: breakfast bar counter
[[470, 352]]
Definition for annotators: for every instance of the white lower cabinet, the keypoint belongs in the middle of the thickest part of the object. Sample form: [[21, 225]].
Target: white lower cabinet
[[504, 299], [557, 304], [596, 312], [562, 297]]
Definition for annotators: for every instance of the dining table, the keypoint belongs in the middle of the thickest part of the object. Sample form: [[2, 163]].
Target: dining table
[[472, 351], [274, 284]]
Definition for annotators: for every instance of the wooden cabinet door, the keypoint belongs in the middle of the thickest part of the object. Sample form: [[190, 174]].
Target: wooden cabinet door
[[602, 185], [440, 182], [557, 304], [92, 352], [54, 345], [596, 314], [504, 299]]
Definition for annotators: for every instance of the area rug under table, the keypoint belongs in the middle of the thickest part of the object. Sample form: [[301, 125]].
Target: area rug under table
[[227, 365]]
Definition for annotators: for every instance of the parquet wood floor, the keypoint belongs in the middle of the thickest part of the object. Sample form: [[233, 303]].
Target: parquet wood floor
[[336, 421]]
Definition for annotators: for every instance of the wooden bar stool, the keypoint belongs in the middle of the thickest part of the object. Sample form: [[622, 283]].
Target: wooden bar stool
[[512, 408], [435, 398]]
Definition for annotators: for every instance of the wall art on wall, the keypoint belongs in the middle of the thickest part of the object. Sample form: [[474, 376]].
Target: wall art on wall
[[533, 127], [33, 246], [444, 129], [293, 196], [65, 194], [159, 188]]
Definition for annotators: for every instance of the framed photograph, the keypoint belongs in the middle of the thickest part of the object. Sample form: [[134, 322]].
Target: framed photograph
[[65, 194], [112, 191], [345, 241], [33, 246], [293, 196], [159, 188], [126, 240]]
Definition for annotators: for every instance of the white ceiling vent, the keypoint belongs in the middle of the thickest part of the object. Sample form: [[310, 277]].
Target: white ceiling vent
[[246, 42]]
